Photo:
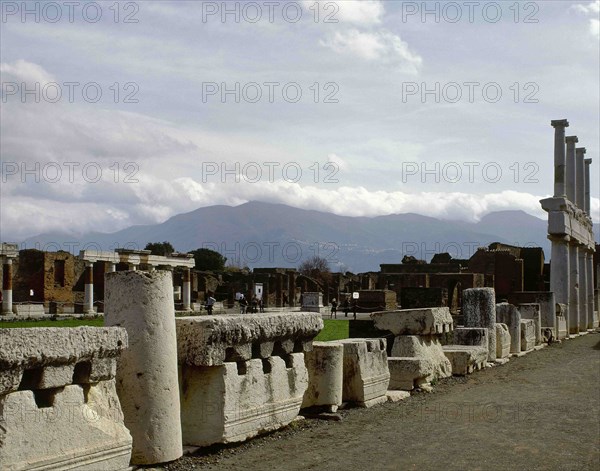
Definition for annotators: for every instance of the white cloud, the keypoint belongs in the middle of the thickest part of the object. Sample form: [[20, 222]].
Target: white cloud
[[363, 12], [592, 9], [384, 47], [24, 71]]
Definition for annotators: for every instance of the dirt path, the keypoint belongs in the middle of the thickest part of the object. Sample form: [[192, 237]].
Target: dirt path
[[538, 412]]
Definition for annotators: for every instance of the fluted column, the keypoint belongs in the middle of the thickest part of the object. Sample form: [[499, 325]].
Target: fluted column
[[559, 156], [583, 301], [187, 290], [559, 271], [574, 289], [571, 175], [580, 177], [587, 200]]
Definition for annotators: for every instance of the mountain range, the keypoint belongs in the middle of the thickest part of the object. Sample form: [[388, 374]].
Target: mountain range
[[257, 234]]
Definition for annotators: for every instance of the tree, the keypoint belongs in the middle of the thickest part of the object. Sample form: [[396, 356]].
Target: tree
[[316, 268], [210, 260], [160, 248]]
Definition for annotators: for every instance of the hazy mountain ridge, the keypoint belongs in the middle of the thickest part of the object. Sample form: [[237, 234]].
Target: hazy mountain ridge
[[269, 235]]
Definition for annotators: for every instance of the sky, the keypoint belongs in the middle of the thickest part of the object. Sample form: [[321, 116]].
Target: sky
[[123, 113]]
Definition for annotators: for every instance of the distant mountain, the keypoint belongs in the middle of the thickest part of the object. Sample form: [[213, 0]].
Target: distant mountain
[[275, 235]]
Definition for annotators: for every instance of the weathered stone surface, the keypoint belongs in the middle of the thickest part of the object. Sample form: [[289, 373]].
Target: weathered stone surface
[[142, 302], [34, 350], [479, 310], [476, 336], [509, 314], [408, 373], [561, 327], [425, 347], [325, 365], [533, 311], [426, 321], [72, 427], [366, 372], [235, 401], [397, 396], [527, 334], [466, 358], [502, 341], [29, 310], [208, 341]]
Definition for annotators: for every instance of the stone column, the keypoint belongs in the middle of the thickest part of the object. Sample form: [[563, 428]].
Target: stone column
[[132, 266], [559, 269], [574, 289], [88, 295], [590, 289], [147, 380], [559, 156], [479, 310], [583, 301], [7, 290], [580, 177], [587, 200], [571, 174], [186, 290], [112, 267]]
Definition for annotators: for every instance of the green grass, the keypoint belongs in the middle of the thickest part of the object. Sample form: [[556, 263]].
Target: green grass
[[334, 330], [99, 322]]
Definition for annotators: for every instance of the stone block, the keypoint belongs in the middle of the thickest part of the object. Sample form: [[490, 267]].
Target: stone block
[[509, 314], [238, 400], [29, 310], [407, 373], [561, 328], [466, 358], [74, 427], [476, 336], [502, 341], [313, 302], [426, 321], [527, 335], [366, 372], [533, 311], [214, 340], [424, 347], [26, 354], [479, 310], [325, 366]]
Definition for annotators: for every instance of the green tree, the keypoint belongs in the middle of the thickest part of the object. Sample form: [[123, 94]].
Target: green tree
[[207, 259], [160, 248]]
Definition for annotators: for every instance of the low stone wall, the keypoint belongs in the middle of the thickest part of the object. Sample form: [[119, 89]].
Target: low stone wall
[[59, 383]]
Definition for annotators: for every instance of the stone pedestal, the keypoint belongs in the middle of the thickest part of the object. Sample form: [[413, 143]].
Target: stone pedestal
[[532, 311], [510, 315], [502, 341], [325, 365], [147, 382], [527, 335], [479, 310], [313, 302]]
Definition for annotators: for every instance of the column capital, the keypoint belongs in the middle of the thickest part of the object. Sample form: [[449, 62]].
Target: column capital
[[587, 161], [563, 123], [580, 150], [571, 139]]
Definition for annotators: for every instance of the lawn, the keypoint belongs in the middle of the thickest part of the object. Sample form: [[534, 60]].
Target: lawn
[[50, 323], [334, 330]]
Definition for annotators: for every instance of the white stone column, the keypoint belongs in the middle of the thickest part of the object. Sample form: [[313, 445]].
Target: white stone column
[[112, 267], [132, 267], [559, 269], [574, 289], [559, 156], [186, 290], [586, 179], [7, 291], [88, 296], [147, 380], [583, 301], [580, 177], [571, 175]]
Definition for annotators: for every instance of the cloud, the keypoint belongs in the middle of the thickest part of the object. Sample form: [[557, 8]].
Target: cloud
[[24, 71], [383, 47], [592, 9]]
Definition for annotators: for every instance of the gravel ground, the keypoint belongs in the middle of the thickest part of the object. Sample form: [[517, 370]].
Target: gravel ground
[[537, 412]]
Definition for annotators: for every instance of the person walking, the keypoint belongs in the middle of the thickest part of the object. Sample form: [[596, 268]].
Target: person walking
[[333, 309], [346, 307], [354, 307], [243, 304], [210, 302]]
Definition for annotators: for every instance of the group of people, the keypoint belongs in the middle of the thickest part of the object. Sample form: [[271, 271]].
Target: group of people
[[345, 307], [255, 305]]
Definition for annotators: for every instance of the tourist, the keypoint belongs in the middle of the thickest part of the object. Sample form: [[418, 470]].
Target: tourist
[[261, 305], [354, 307], [333, 308], [243, 304], [210, 302], [346, 307]]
